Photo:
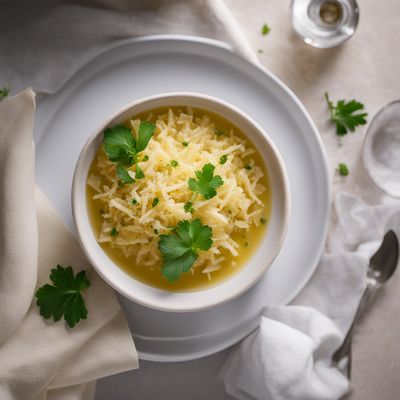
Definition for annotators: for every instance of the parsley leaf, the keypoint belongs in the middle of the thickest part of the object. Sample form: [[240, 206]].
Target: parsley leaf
[[156, 200], [180, 248], [265, 30], [174, 163], [123, 174], [206, 182], [64, 296], [186, 144], [223, 159], [146, 131], [139, 174], [4, 92], [342, 114], [120, 145], [343, 169]]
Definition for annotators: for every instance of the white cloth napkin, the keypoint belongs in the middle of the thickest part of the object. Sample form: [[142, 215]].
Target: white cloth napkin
[[61, 36], [42, 359], [289, 356]]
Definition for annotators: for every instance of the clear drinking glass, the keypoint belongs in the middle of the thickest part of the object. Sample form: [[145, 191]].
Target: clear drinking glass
[[381, 152], [324, 23]]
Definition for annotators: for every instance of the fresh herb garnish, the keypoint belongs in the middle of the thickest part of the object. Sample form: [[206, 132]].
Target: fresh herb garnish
[[248, 167], [120, 145], [63, 297], [342, 114], [4, 92], [263, 220], [180, 249], [139, 173], [134, 201], [219, 133], [186, 144], [343, 169], [114, 232], [206, 182], [265, 30], [123, 148], [174, 163], [155, 231], [223, 159], [156, 200], [145, 158], [188, 207], [123, 174], [146, 130]]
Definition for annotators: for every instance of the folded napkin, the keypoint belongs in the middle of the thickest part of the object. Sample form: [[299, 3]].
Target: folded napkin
[[289, 356], [54, 39], [43, 359]]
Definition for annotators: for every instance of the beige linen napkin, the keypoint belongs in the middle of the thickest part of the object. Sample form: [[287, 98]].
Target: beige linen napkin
[[43, 359]]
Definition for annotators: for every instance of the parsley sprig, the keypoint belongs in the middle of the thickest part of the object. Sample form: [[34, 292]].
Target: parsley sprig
[[206, 182], [63, 297], [343, 115], [180, 249], [121, 147], [205, 185]]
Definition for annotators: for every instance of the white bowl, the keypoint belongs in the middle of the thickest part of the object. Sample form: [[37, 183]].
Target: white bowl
[[232, 287]]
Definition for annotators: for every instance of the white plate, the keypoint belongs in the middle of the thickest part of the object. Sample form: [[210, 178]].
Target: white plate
[[158, 64]]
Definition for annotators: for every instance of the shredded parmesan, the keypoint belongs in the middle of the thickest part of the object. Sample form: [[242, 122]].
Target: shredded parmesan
[[128, 208]]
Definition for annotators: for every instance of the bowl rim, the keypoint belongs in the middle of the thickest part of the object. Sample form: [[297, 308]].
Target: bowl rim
[[286, 201]]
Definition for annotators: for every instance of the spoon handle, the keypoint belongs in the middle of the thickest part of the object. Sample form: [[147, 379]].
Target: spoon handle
[[344, 349]]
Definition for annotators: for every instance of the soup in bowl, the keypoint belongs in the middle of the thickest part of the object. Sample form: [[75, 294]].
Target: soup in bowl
[[181, 201]]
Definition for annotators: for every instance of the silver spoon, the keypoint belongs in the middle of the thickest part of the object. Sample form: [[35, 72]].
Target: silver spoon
[[381, 267]]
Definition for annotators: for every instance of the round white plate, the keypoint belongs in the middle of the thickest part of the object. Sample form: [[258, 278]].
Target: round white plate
[[146, 66]]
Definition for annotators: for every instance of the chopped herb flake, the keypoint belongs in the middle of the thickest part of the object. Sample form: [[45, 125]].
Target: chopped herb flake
[[4, 92], [139, 173], [263, 220], [219, 133], [186, 144], [265, 30], [145, 158], [223, 159], [134, 201], [114, 232], [248, 167], [155, 231], [343, 169], [155, 202], [174, 163], [188, 207]]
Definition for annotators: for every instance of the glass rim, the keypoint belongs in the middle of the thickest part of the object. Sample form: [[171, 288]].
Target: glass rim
[[382, 110]]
